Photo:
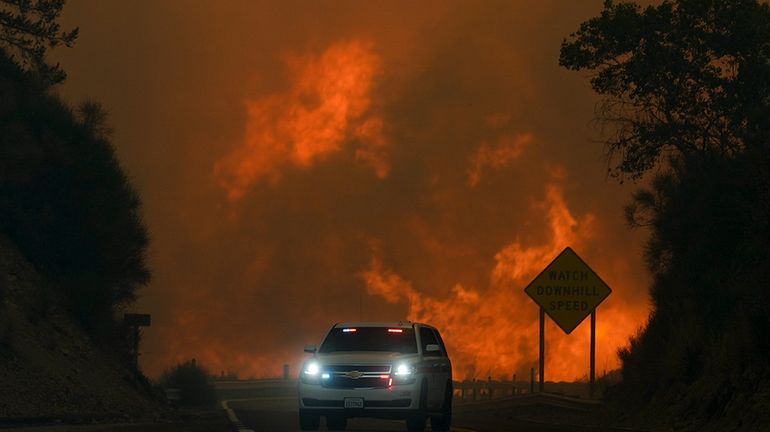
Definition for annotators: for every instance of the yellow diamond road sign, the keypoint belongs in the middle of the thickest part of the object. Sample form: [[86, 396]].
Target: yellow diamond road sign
[[568, 290]]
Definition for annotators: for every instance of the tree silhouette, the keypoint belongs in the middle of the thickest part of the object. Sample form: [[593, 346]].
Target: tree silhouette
[[66, 202], [28, 28], [685, 78]]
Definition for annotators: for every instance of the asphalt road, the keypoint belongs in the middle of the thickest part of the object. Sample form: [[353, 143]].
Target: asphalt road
[[279, 413]]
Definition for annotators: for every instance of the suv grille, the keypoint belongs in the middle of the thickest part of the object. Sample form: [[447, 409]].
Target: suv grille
[[379, 369], [357, 376]]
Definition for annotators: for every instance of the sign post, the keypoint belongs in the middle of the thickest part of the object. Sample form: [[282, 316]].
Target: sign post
[[541, 385], [568, 290], [592, 375], [134, 321]]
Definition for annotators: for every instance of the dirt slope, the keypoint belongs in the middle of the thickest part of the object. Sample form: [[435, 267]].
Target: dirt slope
[[48, 367]]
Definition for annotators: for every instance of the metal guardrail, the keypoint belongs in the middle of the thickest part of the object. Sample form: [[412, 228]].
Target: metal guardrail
[[478, 390], [464, 391], [255, 383], [254, 388], [173, 395]]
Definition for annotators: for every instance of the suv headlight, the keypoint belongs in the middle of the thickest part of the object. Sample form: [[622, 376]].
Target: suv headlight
[[311, 372], [403, 373], [404, 369]]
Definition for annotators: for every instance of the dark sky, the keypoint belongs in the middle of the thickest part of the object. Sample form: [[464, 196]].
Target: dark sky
[[304, 163]]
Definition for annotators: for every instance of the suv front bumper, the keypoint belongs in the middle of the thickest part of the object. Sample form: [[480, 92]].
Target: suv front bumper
[[397, 401]]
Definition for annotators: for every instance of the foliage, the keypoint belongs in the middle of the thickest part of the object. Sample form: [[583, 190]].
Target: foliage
[[66, 202], [193, 382], [683, 78], [28, 28], [710, 230], [686, 88]]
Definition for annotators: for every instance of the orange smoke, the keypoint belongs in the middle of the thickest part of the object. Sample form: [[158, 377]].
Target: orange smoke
[[494, 331], [497, 156], [327, 104]]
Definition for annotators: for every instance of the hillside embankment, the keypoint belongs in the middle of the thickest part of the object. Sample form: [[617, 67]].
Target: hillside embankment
[[49, 369]]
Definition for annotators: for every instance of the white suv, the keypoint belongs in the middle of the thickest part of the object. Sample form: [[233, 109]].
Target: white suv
[[395, 370]]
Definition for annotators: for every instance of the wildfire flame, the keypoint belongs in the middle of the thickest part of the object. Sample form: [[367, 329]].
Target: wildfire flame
[[327, 112], [494, 331], [327, 105]]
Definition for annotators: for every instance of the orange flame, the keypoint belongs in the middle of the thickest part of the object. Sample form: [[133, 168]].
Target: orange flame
[[327, 105], [494, 331]]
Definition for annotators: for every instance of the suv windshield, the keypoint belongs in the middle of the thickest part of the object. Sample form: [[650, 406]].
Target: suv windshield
[[399, 340]]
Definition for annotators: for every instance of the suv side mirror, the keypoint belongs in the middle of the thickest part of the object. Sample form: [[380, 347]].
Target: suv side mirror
[[432, 349], [310, 349]]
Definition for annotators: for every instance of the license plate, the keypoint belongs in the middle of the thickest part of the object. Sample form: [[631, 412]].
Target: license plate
[[354, 402]]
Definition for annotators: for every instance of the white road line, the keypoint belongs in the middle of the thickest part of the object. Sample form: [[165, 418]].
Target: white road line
[[234, 418]]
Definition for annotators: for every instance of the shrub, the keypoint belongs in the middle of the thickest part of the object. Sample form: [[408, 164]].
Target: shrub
[[193, 382]]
